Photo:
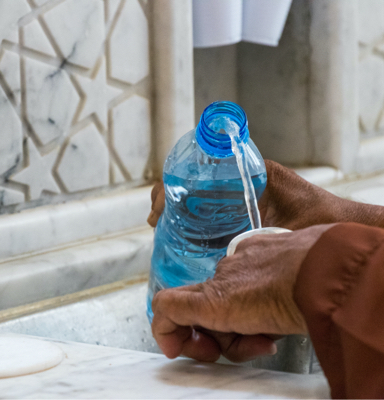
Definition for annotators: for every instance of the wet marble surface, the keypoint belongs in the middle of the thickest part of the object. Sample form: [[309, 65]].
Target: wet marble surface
[[101, 372]]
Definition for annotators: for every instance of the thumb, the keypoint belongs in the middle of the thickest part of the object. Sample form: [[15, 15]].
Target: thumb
[[183, 305], [176, 311]]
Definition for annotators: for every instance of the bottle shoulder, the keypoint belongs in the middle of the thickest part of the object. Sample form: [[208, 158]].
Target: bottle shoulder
[[188, 161]]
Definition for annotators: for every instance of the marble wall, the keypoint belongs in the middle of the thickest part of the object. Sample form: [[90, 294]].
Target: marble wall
[[318, 98], [371, 67], [75, 106]]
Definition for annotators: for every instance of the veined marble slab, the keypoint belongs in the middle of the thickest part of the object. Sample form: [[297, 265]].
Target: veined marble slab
[[42, 228], [117, 319], [101, 372], [76, 268]]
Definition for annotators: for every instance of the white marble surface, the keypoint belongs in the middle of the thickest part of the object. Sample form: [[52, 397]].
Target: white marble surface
[[371, 23], [10, 70], [85, 162], [38, 174], [46, 227], [9, 16], [371, 66], [343, 86], [24, 355], [92, 56], [132, 134], [129, 45], [116, 319], [48, 89], [367, 190], [40, 2], [73, 62], [98, 94], [371, 92], [101, 372], [9, 196], [320, 175], [78, 28], [173, 74], [346, 88], [10, 136], [36, 39], [75, 268], [113, 6]]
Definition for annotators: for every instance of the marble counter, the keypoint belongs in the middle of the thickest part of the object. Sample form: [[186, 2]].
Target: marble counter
[[103, 372]]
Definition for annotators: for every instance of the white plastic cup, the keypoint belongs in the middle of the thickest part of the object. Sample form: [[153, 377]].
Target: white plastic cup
[[264, 20], [263, 231]]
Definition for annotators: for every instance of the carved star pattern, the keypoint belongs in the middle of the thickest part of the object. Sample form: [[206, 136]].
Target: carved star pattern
[[99, 89], [38, 174], [98, 95], [9, 17]]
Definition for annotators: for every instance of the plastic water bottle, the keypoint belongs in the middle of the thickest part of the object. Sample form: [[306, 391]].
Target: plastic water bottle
[[205, 207]]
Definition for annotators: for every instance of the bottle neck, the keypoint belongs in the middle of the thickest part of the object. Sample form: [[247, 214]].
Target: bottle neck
[[208, 134]]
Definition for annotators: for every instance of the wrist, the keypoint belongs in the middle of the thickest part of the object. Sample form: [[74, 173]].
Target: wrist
[[351, 211]]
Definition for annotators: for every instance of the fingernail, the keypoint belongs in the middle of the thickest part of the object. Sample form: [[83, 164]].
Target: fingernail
[[150, 218], [273, 349]]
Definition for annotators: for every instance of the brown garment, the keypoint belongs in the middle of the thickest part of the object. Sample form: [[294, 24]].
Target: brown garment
[[340, 291]]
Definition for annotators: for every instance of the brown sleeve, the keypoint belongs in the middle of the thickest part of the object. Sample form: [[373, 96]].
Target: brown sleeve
[[340, 291]]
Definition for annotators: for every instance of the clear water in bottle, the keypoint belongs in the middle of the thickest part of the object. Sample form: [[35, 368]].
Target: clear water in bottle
[[205, 205]]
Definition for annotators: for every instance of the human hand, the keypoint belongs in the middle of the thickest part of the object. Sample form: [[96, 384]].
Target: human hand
[[291, 202], [158, 203], [249, 299]]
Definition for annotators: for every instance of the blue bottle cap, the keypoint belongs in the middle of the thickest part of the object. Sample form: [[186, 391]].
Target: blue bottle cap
[[219, 144]]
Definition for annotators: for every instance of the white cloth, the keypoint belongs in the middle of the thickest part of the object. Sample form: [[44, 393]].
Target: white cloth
[[223, 22]]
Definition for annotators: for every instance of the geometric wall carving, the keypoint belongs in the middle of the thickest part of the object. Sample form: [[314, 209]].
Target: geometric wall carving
[[85, 161], [37, 175], [10, 13], [98, 94], [69, 86], [131, 136], [10, 71], [51, 100], [10, 135], [129, 45], [36, 39], [78, 27]]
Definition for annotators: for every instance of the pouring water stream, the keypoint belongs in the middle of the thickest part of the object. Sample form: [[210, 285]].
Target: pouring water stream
[[240, 152]]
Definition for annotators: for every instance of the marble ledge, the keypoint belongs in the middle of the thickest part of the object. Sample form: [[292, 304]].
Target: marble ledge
[[107, 373], [43, 276], [43, 228], [365, 189], [320, 176], [361, 188]]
